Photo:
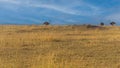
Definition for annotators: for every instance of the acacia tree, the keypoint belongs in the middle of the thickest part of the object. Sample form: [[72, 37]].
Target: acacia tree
[[46, 23], [102, 24], [112, 23]]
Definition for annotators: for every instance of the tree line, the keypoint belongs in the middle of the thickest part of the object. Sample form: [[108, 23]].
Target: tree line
[[111, 23], [102, 23]]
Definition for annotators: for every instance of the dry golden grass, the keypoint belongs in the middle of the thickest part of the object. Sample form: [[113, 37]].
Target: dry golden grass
[[24, 46]]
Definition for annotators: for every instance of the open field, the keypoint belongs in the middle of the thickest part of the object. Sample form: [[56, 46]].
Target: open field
[[24, 46]]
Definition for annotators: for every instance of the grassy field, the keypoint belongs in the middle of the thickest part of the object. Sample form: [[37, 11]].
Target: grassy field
[[25, 46]]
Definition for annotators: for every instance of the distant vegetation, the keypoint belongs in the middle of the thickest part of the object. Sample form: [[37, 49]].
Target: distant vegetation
[[46, 23], [113, 23], [101, 24]]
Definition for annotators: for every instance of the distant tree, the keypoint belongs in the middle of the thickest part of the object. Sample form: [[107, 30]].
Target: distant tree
[[92, 26], [46, 23], [89, 25], [84, 24], [102, 24], [112, 23]]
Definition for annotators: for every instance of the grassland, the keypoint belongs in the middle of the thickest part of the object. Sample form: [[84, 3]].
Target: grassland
[[25, 46]]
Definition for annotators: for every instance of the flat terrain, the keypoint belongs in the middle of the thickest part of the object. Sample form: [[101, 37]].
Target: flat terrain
[[25, 46]]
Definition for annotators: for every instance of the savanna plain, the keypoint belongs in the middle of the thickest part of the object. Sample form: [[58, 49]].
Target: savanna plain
[[54, 46]]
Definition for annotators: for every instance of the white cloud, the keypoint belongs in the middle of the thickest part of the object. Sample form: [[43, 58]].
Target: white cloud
[[10, 1], [113, 17], [55, 7], [67, 7]]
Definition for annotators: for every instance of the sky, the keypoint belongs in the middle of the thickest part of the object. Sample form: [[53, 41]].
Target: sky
[[59, 11]]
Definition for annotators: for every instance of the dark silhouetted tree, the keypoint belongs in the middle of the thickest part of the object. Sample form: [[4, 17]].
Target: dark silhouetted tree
[[112, 23], [102, 24], [46, 23]]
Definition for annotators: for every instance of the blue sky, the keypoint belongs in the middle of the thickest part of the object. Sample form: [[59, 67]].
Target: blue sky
[[59, 11]]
